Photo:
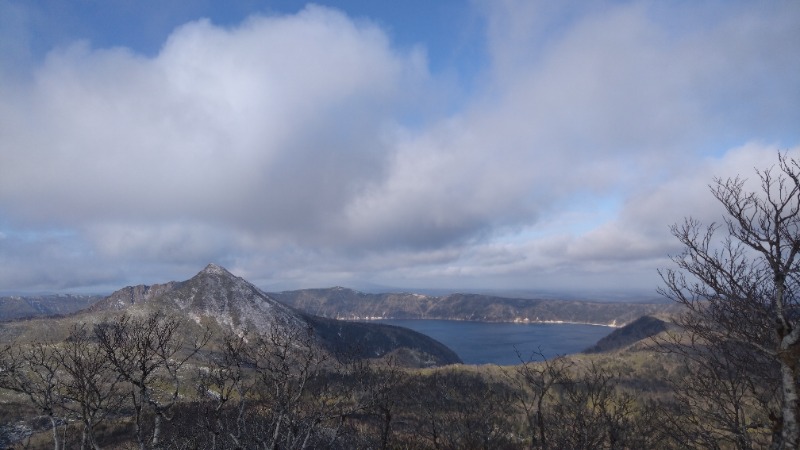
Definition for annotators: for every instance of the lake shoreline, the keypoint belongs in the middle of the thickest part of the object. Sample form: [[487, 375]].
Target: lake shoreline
[[505, 343], [515, 321]]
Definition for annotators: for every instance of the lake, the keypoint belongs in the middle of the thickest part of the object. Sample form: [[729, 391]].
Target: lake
[[497, 343]]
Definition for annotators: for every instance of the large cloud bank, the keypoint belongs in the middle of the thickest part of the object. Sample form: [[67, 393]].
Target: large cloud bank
[[308, 149]]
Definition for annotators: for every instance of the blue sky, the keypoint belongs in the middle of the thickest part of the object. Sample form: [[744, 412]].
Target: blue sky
[[456, 144]]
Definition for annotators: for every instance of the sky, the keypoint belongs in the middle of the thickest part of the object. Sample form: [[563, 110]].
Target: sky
[[380, 145]]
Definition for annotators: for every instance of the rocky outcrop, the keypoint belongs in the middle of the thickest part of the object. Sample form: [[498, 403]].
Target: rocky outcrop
[[132, 295]]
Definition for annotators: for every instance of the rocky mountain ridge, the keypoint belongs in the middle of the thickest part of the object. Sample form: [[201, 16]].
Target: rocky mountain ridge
[[218, 299], [15, 307], [348, 304], [132, 295], [213, 294]]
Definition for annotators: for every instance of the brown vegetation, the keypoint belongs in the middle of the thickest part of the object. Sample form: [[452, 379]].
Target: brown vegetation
[[135, 382]]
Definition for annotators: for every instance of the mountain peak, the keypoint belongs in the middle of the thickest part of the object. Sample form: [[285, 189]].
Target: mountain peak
[[216, 298], [213, 269]]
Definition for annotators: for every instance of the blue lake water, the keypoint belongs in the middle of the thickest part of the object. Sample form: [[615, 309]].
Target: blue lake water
[[498, 343]]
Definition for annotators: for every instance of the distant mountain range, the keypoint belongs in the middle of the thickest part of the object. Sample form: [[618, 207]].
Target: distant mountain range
[[217, 299], [343, 303], [20, 307], [347, 304], [338, 316]]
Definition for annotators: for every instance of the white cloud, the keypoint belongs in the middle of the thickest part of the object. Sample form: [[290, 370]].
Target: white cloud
[[640, 231], [307, 147], [229, 126]]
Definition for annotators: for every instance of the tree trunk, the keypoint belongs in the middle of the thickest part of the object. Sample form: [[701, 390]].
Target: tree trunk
[[540, 422], [790, 432], [788, 359], [276, 434], [84, 438], [57, 442], [93, 440], [157, 430], [140, 430], [87, 437], [387, 428]]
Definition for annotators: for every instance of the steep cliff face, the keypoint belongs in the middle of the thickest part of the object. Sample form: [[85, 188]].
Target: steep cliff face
[[231, 301], [132, 295]]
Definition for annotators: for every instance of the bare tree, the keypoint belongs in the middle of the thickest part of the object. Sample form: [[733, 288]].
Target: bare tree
[[226, 385], [149, 353], [743, 287], [724, 395], [278, 389], [382, 383], [568, 403], [476, 413], [35, 371], [286, 360], [90, 385], [453, 408], [589, 412], [535, 382]]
